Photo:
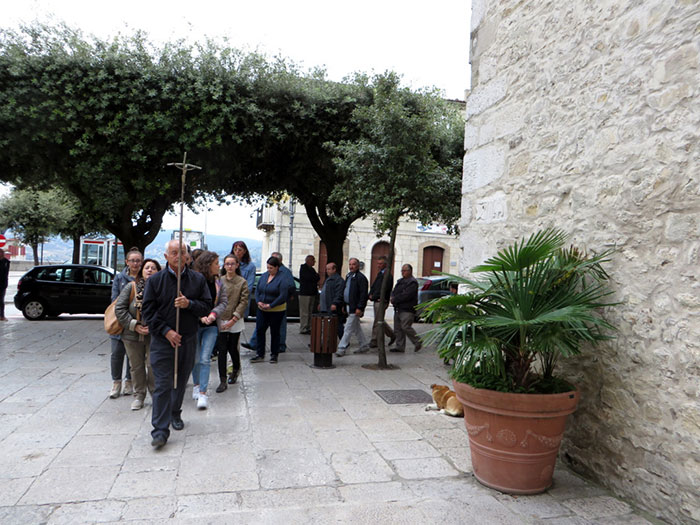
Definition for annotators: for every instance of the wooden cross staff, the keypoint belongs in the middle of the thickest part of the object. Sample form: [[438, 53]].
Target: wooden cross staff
[[185, 168]]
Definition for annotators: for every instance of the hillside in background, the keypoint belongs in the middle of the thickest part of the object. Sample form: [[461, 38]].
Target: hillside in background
[[59, 251]]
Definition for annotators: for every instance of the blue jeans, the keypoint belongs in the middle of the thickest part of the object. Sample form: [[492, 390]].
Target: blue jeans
[[283, 334], [206, 340]]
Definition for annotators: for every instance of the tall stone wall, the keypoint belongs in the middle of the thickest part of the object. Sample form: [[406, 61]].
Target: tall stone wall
[[585, 115]]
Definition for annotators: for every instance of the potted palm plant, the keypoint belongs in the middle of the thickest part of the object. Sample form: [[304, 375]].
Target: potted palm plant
[[533, 303]]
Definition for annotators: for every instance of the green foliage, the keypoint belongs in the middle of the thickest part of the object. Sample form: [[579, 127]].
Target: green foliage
[[536, 302], [34, 216], [407, 160]]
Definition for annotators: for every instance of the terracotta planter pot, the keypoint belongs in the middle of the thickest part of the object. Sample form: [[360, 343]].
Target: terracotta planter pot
[[514, 438]]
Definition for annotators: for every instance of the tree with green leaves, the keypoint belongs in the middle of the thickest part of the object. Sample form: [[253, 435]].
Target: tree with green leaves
[[34, 216], [102, 119], [407, 162]]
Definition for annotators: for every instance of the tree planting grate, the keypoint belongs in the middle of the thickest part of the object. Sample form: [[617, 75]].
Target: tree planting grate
[[404, 397]]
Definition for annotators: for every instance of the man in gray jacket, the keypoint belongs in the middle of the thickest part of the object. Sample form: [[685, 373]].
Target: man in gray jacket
[[332, 295], [405, 298]]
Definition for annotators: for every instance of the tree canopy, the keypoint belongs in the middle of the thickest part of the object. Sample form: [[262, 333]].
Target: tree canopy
[[102, 119]]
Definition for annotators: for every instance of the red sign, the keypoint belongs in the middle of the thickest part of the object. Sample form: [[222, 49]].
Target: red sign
[[3, 241]]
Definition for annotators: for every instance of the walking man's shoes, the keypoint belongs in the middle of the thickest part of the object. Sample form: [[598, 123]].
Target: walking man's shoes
[[392, 340], [248, 346], [257, 359], [177, 423], [158, 442], [222, 386], [273, 359], [418, 347], [401, 350], [362, 350], [233, 377]]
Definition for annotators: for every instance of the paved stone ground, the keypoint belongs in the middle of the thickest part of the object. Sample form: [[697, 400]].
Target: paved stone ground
[[287, 444]]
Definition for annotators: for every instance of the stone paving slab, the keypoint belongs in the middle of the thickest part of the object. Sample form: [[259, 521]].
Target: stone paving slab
[[287, 444]]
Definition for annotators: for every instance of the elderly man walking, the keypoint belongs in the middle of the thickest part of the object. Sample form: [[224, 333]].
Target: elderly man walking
[[331, 301], [375, 292], [308, 291], [160, 304], [405, 298], [355, 298]]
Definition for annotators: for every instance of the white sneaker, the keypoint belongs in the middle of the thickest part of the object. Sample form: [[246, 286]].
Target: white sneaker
[[202, 402], [195, 392]]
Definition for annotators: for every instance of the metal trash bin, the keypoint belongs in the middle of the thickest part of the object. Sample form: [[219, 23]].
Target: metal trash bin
[[324, 339]]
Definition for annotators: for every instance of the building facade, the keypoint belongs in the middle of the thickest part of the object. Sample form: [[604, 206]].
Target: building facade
[[585, 116], [426, 248]]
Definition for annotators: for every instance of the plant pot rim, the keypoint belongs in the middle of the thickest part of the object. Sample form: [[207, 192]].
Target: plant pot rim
[[508, 403]]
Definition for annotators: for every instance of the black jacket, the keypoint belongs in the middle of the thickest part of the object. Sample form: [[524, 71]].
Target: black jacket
[[358, 292], [158, 310], [4, 272], [375, 292], [405, 295], [308, 280]]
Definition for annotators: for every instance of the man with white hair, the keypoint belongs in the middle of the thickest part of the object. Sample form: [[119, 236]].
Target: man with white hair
[[355, 297], [159, 310]]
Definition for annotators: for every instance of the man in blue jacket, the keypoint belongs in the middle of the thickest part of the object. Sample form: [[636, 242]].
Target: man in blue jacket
[[160, 304], [355, 297]]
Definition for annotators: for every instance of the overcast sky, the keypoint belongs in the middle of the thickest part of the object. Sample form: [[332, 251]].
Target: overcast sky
[[426, 42]]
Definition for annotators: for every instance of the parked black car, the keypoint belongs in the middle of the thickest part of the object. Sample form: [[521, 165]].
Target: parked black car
[[292, 302], [64, 288]]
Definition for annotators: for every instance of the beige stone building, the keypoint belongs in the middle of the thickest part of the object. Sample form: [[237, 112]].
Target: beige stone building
[[425, 248], [585, 115]]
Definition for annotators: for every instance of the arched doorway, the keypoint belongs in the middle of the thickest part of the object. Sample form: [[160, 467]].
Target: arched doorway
[[432, 260], [379, 249]]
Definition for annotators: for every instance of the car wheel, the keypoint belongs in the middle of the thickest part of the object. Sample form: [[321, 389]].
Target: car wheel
[[34, 310]]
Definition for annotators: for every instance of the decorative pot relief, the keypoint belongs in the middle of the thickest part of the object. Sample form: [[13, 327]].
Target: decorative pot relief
[[506, 437], [550, 442], [475, 430]]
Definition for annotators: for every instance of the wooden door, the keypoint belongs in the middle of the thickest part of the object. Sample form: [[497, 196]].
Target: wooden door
[[432, 260], [379, 249]]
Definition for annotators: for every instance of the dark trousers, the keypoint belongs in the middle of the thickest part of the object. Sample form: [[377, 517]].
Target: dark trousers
[[167, 402], [116, 360], [273, 320], [227, 343]]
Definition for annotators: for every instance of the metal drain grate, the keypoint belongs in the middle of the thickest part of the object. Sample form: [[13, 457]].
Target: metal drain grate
[[404, 397]]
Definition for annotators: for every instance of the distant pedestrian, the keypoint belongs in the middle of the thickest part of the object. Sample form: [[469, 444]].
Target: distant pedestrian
[[160, 303], [134, 260], [355, 299], [207, 264], [4, 278], [271, 295], [135, 336], [240, 250], [375, 293], [405, 298], [308, 292], [231, 321], [331, 299]]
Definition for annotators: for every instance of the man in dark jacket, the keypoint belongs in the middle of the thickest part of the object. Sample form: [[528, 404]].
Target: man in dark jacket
[[331, 301], [160, 304], [355, 298], [4, 277], [405, 298], [375, 293], [308, 291]]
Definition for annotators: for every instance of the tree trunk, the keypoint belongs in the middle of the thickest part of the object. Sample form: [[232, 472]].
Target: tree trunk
[[35, 250], [76, 248], [384, 296], [332, 232]]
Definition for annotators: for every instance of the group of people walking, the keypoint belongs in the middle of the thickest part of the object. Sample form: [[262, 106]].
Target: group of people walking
[[168, 336]]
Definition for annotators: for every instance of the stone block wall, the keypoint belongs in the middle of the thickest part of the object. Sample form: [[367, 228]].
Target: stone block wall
[[585, 115]]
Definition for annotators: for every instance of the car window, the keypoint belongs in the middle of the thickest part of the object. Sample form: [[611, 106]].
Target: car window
[[102, 277], [50, 274], [73, 275]]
